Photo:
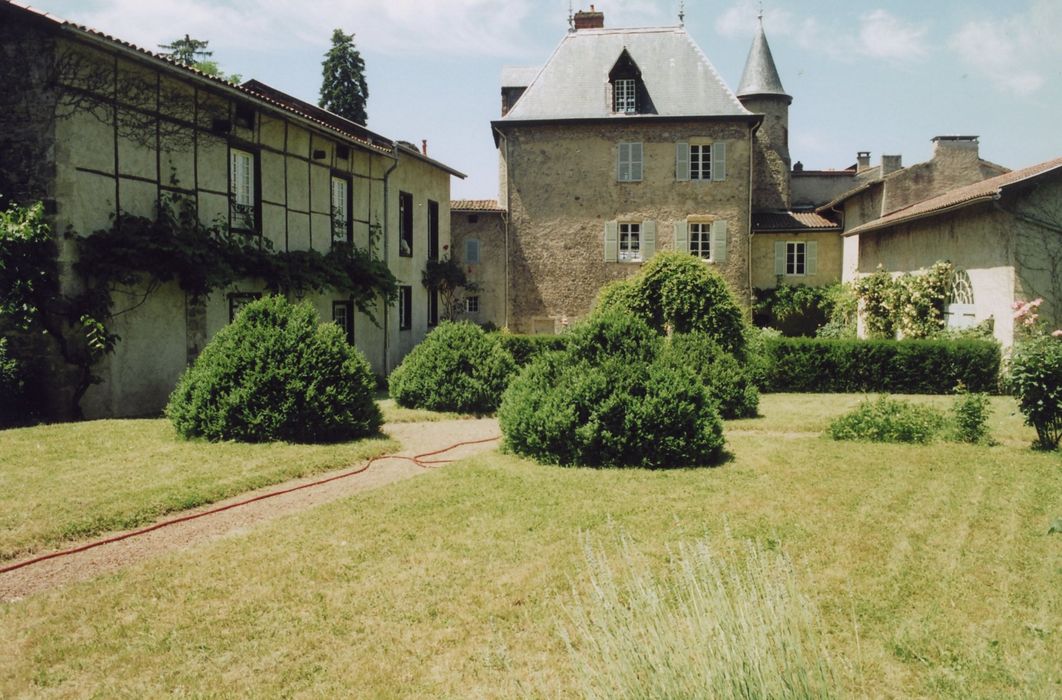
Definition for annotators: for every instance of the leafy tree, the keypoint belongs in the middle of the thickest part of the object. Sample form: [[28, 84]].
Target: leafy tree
[[192, 53], [343, 90], [448, 278]]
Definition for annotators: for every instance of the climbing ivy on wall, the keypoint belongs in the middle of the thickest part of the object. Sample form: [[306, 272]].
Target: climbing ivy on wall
[[912, 305], [120, 267]]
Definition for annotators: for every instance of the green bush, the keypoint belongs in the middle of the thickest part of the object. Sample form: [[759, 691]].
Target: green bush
[[525, 348], [969, 416], [889, 420], [588, 407], [11, 387], [457, 367], [795, 310], [727, 381], [820, 365], [1036, 379], [276, 373], [679, 292]]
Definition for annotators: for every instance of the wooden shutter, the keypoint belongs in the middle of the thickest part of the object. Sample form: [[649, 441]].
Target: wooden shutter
[[719, 241], [636, 162], [682, 237], [648, 242], [611, 241], [719, 160], [779, 258], [623, 163], [811, 258], [682, 161]]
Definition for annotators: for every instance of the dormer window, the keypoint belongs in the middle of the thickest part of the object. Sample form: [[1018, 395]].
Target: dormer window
[[628, 92], [624, 91]]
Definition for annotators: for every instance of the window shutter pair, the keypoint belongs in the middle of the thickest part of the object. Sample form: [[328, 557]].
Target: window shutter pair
[[647, 240], [811, 257], [719, 239], [682, 161], [242, 164], [629, 163]]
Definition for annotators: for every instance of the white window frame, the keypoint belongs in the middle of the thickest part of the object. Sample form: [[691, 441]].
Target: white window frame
[[629, 163], [241, 187], [701, 161], [472, 304], [472, 251], [340, 209], [630, 242], [405, 308], [796, 258], [343, 316], [625, 92], [700, 234]]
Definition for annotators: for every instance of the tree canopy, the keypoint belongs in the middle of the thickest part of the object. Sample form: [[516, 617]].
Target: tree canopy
[[193, 53], [343, 89]]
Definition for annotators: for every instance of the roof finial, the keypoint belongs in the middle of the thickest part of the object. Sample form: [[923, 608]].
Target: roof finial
[[760, 16], [571, 16], [682, 13]]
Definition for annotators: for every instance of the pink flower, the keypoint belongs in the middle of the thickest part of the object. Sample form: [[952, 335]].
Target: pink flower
[[1058, 333]]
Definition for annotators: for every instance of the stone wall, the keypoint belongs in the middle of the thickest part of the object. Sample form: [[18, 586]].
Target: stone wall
[[563, 188], [771, 177], [487, 227]]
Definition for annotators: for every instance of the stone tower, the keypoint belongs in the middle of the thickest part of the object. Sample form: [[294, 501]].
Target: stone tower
[[761, 92]]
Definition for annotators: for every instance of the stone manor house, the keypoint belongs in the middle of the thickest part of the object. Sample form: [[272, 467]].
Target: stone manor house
[[627, 141]]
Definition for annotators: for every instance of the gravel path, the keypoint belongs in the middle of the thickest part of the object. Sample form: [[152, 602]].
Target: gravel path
[[415, 438]]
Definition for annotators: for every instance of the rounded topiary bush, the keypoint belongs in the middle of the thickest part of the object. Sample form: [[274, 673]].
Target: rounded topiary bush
[[277, 373], [593, 408], [727, 380], [681, 293], [458, 367], [1036, 380]]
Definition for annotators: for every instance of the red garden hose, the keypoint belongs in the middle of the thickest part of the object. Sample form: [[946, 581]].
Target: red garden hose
[[418, 460]]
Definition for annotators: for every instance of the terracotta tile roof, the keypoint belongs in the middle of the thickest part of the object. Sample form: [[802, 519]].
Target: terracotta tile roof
[[475, 205], [986, 190], [766, 222]]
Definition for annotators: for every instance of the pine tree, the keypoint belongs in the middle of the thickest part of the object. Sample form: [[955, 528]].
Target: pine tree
[[343, 90], [188, 51]]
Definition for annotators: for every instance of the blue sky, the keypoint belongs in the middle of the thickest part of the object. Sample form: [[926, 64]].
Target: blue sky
[[881, 76]]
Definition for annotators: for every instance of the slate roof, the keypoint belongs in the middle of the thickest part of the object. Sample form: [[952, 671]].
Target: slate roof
[[791, 221], [518, 76], [761, 75], [984, 191], [484, 205], [679, 78]]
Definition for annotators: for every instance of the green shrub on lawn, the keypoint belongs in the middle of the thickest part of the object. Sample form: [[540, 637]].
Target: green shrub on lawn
[[819, 365], [277, 373], [525, 348], [610, 400], [969, 417], [679, 292], [1036, 380], [458, 367], [727, 380], [889, 420]]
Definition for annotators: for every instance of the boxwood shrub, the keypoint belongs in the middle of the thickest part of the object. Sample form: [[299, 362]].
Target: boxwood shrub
[[610, 399], [458, 367], [904, 366], [728, 381], [276, 373], [525, 348]]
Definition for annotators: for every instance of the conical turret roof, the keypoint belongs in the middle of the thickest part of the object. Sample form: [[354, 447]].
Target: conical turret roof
[[761, 75]]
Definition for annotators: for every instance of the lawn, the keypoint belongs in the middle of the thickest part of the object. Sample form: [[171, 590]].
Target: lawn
[[931, 569], [70, 481]]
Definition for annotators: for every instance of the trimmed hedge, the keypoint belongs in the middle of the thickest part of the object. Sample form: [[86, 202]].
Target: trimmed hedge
[[819, 365], [276, 373], [525, 348], [457, 367]]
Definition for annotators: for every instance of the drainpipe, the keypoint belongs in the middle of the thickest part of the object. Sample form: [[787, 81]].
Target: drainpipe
[[387, 259]]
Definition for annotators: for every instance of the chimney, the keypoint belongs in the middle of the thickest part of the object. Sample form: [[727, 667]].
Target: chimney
[[890, 164], [424, 146], [589, 20], [862, 161], [956, 147]]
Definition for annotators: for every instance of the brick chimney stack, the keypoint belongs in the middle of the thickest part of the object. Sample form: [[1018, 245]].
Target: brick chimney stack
[[862, 161], [589, 20]]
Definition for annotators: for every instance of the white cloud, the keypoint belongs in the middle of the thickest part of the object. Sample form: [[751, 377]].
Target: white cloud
[[395, 27], [880, 35], [1016, 54]]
